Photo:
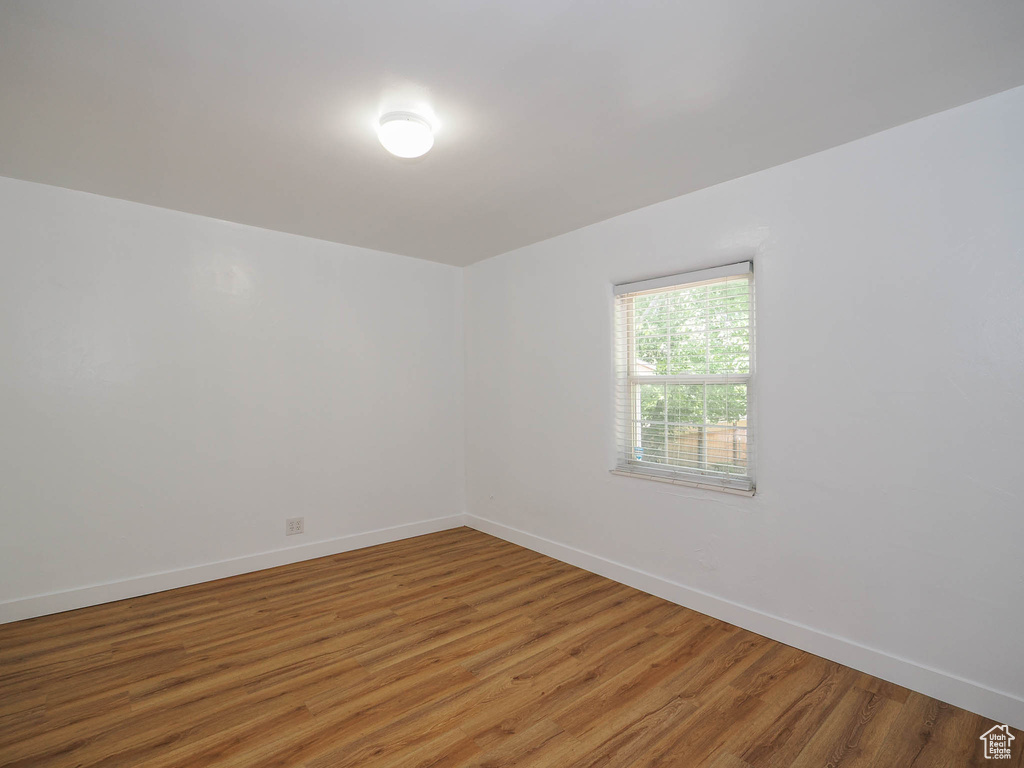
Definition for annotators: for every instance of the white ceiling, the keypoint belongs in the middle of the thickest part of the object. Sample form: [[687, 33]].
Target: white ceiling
[[553, 114]]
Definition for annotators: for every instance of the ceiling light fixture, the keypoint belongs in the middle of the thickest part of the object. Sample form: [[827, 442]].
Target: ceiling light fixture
[[405, 134]]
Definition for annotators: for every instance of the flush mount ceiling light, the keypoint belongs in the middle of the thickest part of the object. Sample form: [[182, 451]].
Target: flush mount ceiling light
[[405, 134]]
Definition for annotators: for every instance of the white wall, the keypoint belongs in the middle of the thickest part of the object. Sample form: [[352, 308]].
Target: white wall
[[888, 525], [173, 387]]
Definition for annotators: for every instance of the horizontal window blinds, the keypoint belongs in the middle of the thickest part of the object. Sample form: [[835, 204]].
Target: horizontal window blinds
[[684, 360]]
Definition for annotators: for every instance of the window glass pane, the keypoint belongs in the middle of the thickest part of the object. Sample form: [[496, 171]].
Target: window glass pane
[[728, 327], [686, 446], [687, 328], [651, 338], [689, 351], [727, 404], [727, 450], [686, 403], [650, 429]]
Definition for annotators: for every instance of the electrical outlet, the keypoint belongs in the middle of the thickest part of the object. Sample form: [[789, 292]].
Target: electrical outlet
[[292, 526]]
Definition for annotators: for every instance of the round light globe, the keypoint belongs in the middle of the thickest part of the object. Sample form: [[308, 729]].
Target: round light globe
[[405, 134]]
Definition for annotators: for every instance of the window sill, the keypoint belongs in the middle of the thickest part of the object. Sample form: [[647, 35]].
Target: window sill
[[684, 483]]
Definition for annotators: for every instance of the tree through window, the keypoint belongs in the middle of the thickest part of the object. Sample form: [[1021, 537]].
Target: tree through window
[[684, 350]]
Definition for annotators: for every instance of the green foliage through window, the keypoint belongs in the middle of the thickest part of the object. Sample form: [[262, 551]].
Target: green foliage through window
[[690, 361]]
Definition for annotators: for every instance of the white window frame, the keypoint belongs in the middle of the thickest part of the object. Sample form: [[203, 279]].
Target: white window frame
[[627, 378]]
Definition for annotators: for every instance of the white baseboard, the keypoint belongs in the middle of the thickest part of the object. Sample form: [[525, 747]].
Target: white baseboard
[[55, 602], [975, 697]]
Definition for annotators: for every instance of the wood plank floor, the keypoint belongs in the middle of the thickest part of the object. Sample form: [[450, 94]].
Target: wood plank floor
[[453, 649]]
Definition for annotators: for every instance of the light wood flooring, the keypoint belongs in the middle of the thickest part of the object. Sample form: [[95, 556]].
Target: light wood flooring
[[453, 649]]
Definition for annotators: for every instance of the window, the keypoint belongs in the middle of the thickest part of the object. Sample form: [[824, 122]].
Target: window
[[684, 365]]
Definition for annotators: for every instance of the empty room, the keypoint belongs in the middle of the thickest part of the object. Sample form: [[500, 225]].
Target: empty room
[[485, 384]]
